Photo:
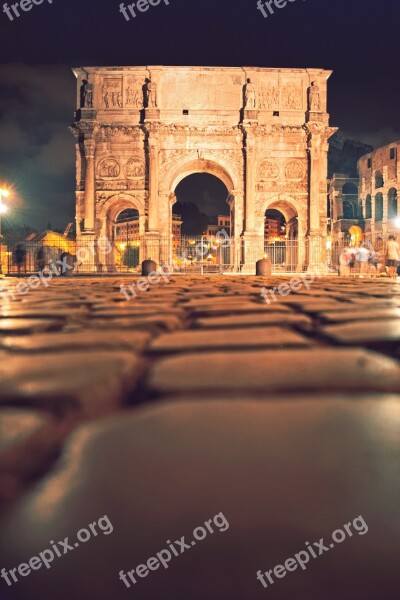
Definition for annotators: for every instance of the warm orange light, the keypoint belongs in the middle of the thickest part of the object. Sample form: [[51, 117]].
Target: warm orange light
[[5, 193]]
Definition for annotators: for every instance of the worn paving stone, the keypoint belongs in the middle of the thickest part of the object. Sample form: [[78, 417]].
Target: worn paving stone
[[241, 307], [237, 338], [146, 322], [11, 325], [360, 315], [271, 318], [35, 312], [293, 370], [29, 441], [136, 311], [88, 339], [385, 331], [90, 383], [267, 467], [18, 425]]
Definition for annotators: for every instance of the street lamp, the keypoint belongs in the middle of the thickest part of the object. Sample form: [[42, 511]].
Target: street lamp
[[3, 209]]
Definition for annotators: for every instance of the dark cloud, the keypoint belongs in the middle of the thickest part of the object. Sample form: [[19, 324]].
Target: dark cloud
[[36, 148]]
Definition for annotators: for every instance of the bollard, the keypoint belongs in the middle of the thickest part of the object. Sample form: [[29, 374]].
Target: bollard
[[148, 266], [264, 267], [68, 264]]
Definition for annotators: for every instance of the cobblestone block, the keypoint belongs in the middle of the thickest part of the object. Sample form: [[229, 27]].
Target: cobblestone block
[[11, 325], [294, 370], [359, 333], [255, 319], [182, 341], [358, 314], [269, 469], [88, 339], [89, 383]]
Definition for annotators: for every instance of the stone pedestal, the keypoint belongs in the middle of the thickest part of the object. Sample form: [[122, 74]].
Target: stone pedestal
[[152, 247], [86, 114], [152, 114], [250, 115], [316, 254], [252, 251], [314, 116], [87, 260]]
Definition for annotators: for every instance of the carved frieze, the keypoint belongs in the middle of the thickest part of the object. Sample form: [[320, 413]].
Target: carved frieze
[[282, 186], [295, 169], [119, 184], [211, 131], [108, 131], [133, 93], [111, 93], [268, 169], [108, 167], [292, 96], [269, 97], [135, 168], [167, 156]]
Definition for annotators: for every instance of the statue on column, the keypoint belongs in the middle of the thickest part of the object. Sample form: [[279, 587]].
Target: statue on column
[[87, 94], [151, 89], [314, 100], [250, 96]]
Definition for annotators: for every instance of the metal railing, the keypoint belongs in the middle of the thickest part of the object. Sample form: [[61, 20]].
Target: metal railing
[[185, 254]]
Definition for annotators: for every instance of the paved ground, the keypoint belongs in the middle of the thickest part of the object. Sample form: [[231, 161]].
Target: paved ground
[[193, 399]]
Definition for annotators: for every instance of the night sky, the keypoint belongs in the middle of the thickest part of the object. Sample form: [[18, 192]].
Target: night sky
[[357, 39]]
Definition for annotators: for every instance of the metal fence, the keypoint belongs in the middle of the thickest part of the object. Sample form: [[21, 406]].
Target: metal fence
[[186, 254]]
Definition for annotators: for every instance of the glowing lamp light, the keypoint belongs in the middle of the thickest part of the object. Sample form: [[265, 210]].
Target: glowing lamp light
[[3, 194], [397, 222]]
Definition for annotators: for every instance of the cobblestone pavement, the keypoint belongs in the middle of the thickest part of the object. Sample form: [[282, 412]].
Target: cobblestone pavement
[[198, 397]]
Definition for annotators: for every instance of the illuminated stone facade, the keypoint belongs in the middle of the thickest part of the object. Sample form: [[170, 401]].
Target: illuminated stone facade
[[264, 132]]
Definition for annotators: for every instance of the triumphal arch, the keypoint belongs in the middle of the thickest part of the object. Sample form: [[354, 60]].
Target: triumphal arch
[[263, 132]]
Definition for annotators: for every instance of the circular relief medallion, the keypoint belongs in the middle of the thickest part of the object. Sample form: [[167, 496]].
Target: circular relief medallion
[[268, 169], [108, 168], [295, 169], [135, 168]]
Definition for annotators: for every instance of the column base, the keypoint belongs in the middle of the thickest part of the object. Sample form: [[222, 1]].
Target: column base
[[86, 253], [151, 249], [316, 254], [252, 251]]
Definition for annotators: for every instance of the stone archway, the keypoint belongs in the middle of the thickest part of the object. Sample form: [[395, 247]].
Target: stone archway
[[289, 252], [106, 227], [190, 165], [213, 166], [216, 166], [201, 124]]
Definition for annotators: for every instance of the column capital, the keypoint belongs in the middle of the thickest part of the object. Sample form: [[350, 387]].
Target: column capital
[[90, 147]]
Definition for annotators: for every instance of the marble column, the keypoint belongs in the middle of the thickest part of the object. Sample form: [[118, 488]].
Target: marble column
[[317, 152], [250, 184], [89, 221], [153, 188]]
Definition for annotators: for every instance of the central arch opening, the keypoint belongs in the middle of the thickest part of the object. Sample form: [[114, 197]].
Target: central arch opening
[[200, 199], [201, 217]]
